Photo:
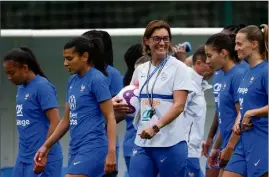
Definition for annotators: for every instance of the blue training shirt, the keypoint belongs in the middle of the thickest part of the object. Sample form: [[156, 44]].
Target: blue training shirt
[[253, 94], [115, 84], [228, 96], [244, 65], [115, 80], [87, 123], [32, 101]]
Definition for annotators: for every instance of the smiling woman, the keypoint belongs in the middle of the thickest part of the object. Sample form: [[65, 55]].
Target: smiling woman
[[164, 83]]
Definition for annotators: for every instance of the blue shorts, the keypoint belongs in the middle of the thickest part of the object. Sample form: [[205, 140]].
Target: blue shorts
[[53, 169], [167, 161], [193, 168], [89, 163], [250, 157]]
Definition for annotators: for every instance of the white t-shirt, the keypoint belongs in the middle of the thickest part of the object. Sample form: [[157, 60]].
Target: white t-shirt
[[174, 76], [195, 115]]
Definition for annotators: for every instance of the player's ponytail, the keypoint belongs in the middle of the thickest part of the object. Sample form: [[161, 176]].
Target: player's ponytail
[[33, 64], [264, 29], [97, 55], [130, 57], [24, 55], [233, 53]]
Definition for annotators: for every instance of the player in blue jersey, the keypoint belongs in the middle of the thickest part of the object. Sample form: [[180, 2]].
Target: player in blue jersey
[[221, 55], [92, 153], [195, 111], [37, 113], [214, 129], [250, 158], [114, 76]]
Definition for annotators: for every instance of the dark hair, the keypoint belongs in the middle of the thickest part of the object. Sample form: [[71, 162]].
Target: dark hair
[[234, 28], [107, 43], [221, 41], [25, 56], [253, 33], [130, 57], [93, 47], [199, 52], [151, 27]]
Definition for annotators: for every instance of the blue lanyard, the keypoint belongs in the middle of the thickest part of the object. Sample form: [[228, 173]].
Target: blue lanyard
[[149, 76]]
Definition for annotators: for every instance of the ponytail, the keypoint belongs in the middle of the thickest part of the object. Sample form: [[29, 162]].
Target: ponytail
[[233, 53], [24, 55], [33, 64], [107, 43], [97, 55], [264, 29]]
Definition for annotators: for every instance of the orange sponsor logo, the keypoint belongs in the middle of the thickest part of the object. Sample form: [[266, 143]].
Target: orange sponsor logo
[[155, 102]]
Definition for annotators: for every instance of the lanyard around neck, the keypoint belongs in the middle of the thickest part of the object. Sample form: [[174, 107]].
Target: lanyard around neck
[[149, 76]]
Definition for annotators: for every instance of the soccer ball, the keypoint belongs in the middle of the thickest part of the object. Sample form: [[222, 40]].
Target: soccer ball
[[130, 95]]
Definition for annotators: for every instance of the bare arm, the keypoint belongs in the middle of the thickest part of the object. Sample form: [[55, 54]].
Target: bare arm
[[107, 109], [260, 112], [180, 97], [60, 130], [214, 127], [234, 137], [218, 142], [57, 134], [54, 119], [212, 132]]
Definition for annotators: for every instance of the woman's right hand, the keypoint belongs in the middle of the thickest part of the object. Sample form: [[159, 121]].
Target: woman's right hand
[[236, 127]]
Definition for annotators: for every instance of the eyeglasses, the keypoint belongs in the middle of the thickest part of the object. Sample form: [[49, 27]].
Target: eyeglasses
[[158, 39]]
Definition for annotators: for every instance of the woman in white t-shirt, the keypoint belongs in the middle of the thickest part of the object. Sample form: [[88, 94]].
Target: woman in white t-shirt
[[164, 84]]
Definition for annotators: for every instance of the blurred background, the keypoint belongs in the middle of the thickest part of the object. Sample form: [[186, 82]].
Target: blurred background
[[102, 15]]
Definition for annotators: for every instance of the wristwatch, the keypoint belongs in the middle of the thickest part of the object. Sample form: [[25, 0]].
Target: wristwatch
[[155, 128]]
